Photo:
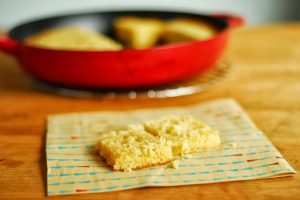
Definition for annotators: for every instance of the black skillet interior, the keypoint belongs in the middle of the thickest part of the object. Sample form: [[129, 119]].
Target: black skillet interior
[[100, 21]]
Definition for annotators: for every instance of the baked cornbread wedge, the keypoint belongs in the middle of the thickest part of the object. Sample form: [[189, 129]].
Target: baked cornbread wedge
[[133, 148], [138, 32], [186, 133], [72, 38], [186, 29]]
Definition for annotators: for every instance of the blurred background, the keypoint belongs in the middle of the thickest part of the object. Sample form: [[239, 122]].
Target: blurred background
[[256, 12]]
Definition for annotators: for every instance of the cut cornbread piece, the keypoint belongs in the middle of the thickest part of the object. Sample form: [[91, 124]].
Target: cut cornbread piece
[[186, 29], [72, 38], [186, 133], [133, 148], [156, 142], [138, 32]]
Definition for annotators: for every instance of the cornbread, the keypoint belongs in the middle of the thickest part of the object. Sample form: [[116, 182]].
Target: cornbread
[[175, 164], [134, 148], [156, 142], [72, 38], [138, 32], [187, 29], [187, 134]]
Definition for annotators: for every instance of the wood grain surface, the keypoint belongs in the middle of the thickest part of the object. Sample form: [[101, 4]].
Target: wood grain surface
[[264, 79]]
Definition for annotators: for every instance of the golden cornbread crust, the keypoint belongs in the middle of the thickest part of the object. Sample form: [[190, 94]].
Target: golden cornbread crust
[[156, 142]]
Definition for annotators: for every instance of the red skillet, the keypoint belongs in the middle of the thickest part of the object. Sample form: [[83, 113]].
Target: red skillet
[[116, 69]]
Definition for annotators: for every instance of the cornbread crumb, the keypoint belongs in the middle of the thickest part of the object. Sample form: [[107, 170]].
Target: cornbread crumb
[[156, 142], [186, 156], [232, 145], [128, 170], [175, 164]]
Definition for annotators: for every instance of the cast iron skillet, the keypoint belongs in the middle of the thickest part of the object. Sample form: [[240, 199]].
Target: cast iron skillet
[[126, 68]]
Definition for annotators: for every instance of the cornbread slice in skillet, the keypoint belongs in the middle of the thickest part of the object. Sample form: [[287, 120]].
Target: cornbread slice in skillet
[[72, 38], [138, 32], [187, 29]]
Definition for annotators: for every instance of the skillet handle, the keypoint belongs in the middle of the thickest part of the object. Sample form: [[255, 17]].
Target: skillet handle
[[233, 20], [8, 45]]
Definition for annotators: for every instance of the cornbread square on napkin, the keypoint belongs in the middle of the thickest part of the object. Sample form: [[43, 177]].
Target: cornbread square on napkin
[[156, 142], [134, 148], [187, 134]]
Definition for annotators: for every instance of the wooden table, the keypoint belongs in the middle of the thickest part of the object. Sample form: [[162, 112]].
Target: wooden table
[[265, 79]]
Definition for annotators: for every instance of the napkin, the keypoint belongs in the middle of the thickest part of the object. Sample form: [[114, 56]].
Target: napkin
[[74, 165]]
